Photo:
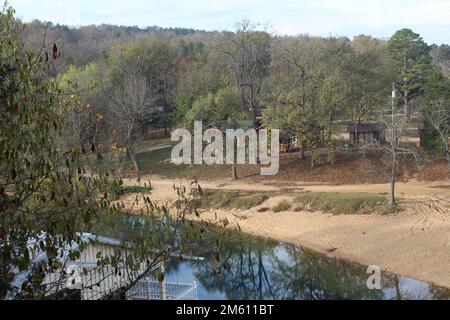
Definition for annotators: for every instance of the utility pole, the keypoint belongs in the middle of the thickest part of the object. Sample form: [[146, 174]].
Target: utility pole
[[393, 147]]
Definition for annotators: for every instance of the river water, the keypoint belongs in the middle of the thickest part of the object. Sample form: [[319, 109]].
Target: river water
[[258, 269], [254, 268]]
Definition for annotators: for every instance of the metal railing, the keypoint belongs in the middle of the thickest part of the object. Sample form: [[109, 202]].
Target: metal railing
[[148, 289]]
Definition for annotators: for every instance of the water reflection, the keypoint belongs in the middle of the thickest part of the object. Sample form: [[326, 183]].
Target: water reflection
[[256, 269]]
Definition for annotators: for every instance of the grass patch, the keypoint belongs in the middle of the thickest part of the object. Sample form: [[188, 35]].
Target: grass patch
[[158, 162], [134, 189], [282, 206], [152, 143], [248, 202], [149, 161], [345, 203], [231, 200]]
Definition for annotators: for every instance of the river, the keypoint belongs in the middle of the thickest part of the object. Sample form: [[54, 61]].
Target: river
[[259, 269]]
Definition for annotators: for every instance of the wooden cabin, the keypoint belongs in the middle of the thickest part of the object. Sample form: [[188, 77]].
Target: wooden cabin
[[367, 133]]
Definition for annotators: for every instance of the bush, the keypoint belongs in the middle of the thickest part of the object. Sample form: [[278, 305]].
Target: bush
[[231, 200], [248, 202], [135, 189], [282, 206]]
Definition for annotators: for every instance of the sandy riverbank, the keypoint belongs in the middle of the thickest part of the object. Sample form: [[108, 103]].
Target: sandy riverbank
[[414, 242]]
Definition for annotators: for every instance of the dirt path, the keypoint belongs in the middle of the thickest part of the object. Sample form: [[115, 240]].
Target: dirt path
[[155, 148], [414, 242], [412, 188]]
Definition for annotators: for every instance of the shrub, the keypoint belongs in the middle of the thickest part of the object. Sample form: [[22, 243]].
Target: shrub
[[231, 200], [248, 202], [135, 189], [282, 206]]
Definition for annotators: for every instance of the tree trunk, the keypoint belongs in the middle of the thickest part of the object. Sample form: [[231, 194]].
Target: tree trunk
[[406, 107], [234, 172], [394, 169], [98, 153], [405, 92], [398, 293], [132, 156], [302, 152], [448, 158], [234, 165], [312, 159], [162, 284]]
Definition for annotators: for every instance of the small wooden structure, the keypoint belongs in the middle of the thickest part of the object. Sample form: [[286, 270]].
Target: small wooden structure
[[367, 133], [158, 133]]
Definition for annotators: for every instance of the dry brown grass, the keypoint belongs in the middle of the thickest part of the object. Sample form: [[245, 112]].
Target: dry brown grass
[[348, 168], [434, 172]]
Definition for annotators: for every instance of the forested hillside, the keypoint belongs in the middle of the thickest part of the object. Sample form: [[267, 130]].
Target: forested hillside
[[85, 44], [134, 80]]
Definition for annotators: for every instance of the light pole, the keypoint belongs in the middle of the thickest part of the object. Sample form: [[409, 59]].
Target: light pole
[[393, 147]]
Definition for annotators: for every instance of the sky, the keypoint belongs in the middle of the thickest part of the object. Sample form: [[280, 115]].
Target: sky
[[379, 18]]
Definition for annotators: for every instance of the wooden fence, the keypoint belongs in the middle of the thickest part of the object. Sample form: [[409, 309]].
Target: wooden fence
[[158, 133]]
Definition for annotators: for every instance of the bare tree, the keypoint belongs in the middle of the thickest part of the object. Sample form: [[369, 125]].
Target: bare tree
[[129, 102], [82, 126], [395, 150], [248, 56], [397, 129], [437, 115], [300, 66]]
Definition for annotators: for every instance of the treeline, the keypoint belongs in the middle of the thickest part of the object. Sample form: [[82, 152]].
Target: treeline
[[134, 79], [86, 44]]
